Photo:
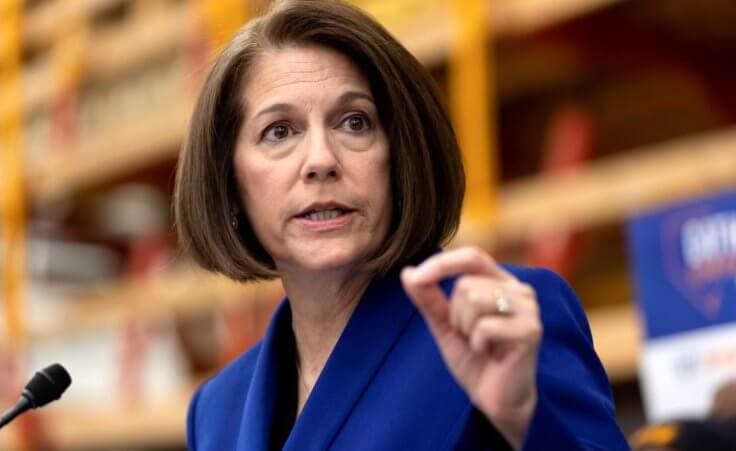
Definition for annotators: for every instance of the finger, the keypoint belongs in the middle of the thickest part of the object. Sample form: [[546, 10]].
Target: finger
[[471, 299], [429, 299], [476, 296], [468, 260], [491, 331]]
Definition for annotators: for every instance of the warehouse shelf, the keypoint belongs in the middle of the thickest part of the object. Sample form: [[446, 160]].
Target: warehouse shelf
[[525, 16], [114, 51], [44, 23], [147, 36], [118, 152], [616, 188], [179, 293]]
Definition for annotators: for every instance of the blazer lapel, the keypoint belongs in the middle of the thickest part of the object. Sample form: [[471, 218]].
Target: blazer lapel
[[260, 402], [377, 323]]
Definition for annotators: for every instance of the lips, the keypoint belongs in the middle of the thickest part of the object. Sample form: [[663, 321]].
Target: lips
[[322, 211], [324, 215]]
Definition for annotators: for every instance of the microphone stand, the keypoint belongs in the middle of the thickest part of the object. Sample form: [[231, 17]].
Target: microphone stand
[[21, 406]]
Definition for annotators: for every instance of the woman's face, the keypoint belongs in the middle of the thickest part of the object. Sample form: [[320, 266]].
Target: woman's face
[[311, 161]]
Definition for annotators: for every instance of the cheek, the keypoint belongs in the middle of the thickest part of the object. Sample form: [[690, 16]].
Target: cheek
[[255, 186], [379, 179], [384, 169]]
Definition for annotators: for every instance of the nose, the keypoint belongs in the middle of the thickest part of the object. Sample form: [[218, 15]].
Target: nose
[[320, 161]]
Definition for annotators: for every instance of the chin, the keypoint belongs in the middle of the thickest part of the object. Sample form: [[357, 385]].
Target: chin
[[330, 257], [329, 261]]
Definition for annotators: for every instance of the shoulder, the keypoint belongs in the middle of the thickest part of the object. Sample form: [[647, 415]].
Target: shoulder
[[567, 343], [558, 303], [224, 392], [236, 374], [542, 279], [566, 331], [575, 401]]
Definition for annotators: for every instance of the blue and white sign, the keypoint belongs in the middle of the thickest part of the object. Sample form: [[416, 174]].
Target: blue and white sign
[[684, 261]]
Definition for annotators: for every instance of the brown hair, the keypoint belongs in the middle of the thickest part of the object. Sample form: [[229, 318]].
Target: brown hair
[[427, 176]]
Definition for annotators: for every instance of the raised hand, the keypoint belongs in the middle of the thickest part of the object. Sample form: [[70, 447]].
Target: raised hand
[[488, 333]]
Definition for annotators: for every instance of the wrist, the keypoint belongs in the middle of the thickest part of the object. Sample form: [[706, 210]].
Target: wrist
[[513, 422]]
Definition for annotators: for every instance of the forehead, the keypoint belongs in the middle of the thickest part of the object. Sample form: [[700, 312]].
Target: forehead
[[301, 71]]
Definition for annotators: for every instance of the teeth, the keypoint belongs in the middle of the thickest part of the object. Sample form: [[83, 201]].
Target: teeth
[[324, 215]]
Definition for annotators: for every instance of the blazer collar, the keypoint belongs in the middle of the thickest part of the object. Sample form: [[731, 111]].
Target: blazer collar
[[375, 326], [259, 407]]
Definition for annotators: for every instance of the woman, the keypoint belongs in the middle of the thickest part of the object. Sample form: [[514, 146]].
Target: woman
[[319, 153]]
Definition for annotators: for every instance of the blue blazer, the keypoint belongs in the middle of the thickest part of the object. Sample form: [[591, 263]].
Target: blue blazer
[[386, 387]]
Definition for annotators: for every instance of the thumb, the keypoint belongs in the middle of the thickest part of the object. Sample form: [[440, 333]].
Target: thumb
[[429, 299]]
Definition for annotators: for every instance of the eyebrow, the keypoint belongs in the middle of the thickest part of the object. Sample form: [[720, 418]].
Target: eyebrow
[[344, 98], [349, 96], [276, 107]]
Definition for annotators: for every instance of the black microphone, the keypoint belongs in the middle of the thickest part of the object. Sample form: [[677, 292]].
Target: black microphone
[[45, 386]]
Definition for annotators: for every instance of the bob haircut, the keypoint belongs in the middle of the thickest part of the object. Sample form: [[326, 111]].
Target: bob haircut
[[426, 171]]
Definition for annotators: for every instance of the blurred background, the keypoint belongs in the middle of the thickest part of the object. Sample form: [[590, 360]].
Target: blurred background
[[579, 119]]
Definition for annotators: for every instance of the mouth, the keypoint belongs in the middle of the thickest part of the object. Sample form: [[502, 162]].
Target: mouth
[[324, 212], [325, 215]]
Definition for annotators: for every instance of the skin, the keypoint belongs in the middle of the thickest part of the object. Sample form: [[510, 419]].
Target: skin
[[312, 148]]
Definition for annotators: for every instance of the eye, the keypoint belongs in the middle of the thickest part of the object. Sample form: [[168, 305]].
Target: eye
[[355, 123], [276, 132]]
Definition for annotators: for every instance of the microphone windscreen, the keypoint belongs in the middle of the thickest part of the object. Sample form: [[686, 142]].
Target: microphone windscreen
[[47, 385]]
